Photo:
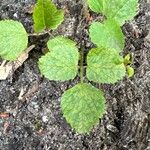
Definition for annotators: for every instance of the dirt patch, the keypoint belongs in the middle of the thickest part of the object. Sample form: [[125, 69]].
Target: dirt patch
[[36, 123]]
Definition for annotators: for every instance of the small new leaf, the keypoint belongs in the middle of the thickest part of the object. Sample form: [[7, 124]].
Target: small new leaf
[[13, 39], [46, 16], [127, 59], [119, 10], [130, 71], [61, 63], [107, 34], [105, 66], [82, 106]]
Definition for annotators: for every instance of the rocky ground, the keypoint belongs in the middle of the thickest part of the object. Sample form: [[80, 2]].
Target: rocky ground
[[36, 123]]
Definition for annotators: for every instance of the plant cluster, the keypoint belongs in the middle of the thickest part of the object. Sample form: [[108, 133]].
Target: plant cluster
[[83, 104]]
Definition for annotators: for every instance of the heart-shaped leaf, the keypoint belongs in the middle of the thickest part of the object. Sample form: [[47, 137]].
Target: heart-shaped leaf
[[61, 63], [108, 35], [119, 10], [46, 16], [82, 106], [105, 66]]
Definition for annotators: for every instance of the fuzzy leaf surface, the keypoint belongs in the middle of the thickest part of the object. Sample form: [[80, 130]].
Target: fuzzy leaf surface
[[46, 16], [61, 63], [105, 66], [107, 34], [82, 106], [13, 39], [119, 10]]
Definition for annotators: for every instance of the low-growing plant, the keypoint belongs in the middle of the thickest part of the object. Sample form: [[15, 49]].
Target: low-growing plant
[[83, 104], [13, 36]]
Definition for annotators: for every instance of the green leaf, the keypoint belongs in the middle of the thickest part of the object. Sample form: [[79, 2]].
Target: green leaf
[[120, 10], [127, 59], [61, 63], [130, 71], [13, 39], [82, 106], [107, 34], [46, 16], [105, 66]]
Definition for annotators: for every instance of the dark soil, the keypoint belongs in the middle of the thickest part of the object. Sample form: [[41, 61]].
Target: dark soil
[[36, 121]]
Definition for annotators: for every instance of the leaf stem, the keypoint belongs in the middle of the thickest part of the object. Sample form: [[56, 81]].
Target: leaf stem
[[29, 48], [37, 34], [81, 65]]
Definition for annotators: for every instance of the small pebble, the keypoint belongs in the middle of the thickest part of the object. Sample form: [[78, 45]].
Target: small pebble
[[45, 118], [112, 128], [15, 15]]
